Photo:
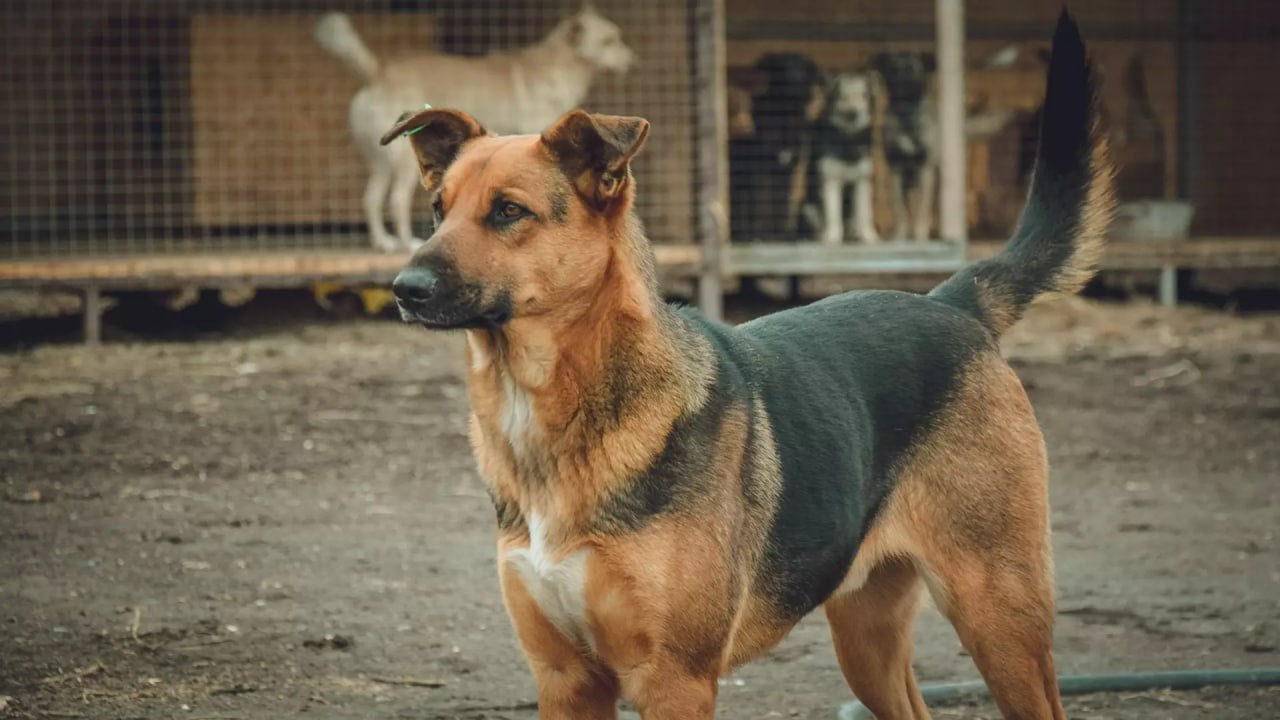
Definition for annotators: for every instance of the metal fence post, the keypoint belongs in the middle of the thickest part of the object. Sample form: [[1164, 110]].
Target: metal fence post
[[953, 221], [712, 174]]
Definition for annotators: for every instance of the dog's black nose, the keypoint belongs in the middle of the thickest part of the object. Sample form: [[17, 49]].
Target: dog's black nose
[[415, 285]]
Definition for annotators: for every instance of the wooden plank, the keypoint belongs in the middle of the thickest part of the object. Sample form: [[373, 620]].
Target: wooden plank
[[939, 258], [1198, 253], [818, 13], [305, 267], [299, 269], [821, 259]]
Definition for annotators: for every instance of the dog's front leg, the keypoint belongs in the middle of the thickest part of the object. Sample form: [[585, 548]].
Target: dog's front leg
[[572, 685], [864, 213], [898, 199], [664, 636], [403, 187], [922, 218], [832, 192], [375, 194]]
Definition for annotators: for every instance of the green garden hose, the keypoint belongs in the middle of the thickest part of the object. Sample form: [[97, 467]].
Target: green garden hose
[[1084, 684]]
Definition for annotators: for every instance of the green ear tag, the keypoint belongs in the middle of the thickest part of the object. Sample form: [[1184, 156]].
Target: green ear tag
[[425, 106]]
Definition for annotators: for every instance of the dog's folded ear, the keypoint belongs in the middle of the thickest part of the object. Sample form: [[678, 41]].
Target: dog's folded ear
[[595, 151], [436, 136]]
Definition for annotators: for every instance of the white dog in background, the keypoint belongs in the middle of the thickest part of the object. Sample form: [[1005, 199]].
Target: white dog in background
[[509, 92]]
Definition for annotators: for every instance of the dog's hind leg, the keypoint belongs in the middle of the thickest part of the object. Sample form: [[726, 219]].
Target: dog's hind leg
[[871, 628], [1001, 606], [404, 184], [980, 513], [375, 193]]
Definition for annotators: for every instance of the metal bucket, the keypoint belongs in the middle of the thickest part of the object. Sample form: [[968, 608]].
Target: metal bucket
[[1153, 220]]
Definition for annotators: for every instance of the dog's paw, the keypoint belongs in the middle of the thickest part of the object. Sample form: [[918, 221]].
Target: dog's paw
[[385, 243]]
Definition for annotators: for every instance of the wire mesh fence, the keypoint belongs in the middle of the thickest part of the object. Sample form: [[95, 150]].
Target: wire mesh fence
[[179, 126], [176, 126], [831, 99], [834, 133]]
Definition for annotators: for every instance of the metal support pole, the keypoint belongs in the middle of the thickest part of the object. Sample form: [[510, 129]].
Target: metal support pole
[[713, 143], [953, 221], [1168, 286], [92, 315]]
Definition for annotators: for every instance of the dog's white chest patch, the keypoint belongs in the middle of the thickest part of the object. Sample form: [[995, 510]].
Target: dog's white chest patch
[[517, 414], [558, 587]]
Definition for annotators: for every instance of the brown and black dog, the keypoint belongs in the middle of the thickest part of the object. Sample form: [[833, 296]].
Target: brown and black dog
[[673, 494]]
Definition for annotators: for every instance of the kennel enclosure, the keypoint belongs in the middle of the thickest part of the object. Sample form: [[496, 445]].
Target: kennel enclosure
[[158, 143], [166, 144]]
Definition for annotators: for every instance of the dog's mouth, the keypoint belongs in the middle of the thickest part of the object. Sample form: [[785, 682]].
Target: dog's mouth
[[851, 116], [623, 64]]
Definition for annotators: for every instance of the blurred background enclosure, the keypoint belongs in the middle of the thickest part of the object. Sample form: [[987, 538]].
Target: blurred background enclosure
[[155, 137]]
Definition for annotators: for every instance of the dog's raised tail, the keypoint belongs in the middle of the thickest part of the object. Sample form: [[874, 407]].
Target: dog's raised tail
[[336, 34], [1059, 239]]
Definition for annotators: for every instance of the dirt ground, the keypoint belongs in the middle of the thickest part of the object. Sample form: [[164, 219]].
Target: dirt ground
[[284, 521]]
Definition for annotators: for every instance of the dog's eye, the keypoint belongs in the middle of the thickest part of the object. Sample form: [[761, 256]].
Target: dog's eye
[[506, 212]]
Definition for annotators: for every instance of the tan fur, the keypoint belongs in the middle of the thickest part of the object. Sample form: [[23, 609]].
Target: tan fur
[[583, 292], [871, 629], [1099, 208], [652, 607], [657, 613], [970, 518], [570, 684], [998, 305]]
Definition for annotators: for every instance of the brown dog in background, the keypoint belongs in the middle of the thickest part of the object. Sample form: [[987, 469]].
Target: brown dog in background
[[673, 494]]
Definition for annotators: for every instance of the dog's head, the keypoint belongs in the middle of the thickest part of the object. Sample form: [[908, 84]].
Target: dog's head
[[789, 75], [526, 225], [850, 99], [906, 75], [597, 41]]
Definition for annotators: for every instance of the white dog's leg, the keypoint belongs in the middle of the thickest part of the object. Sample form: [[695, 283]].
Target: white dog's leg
[[863, 212], [374, 195], [403, 186], [832, 196], [923, 216]]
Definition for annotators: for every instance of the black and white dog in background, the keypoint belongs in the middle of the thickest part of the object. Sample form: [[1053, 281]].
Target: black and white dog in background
[[910, 139], [912, 135], [842, 160]]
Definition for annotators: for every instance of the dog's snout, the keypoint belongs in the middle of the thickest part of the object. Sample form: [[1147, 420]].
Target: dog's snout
[[415, 285]]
